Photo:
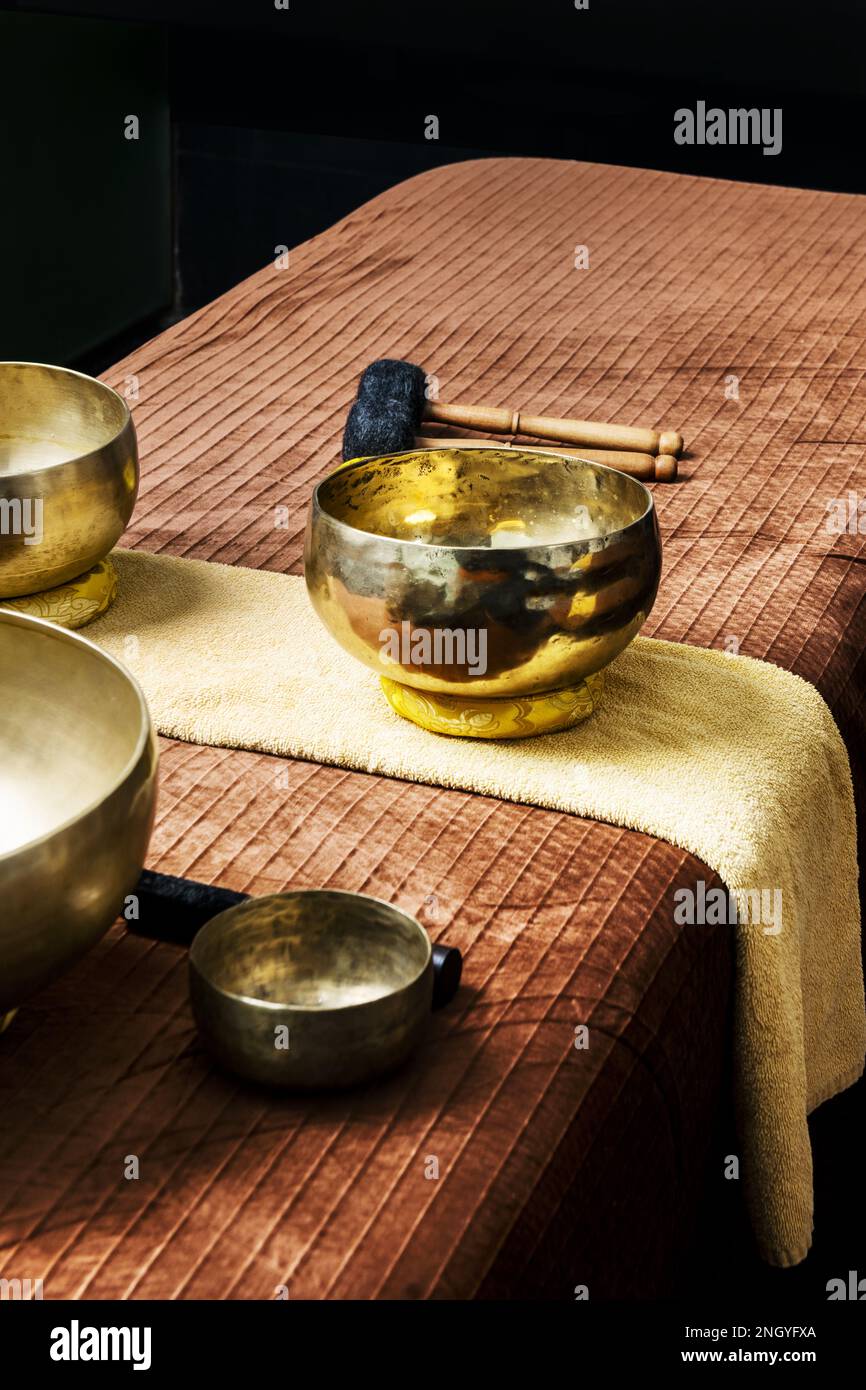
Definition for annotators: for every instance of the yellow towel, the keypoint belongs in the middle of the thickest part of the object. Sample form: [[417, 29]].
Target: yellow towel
[[730, 758]]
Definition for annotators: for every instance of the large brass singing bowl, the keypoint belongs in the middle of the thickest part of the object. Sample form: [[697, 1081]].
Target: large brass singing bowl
[[78, 763], [68, 474], [311, 988], [556, 561]]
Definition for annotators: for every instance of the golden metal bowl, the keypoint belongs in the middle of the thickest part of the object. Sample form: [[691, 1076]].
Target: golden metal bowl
[[482, 572], [78, 764], [312, 988], [68, 474]]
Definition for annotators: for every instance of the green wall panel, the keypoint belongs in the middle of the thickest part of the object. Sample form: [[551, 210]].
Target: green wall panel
[[86, 225]]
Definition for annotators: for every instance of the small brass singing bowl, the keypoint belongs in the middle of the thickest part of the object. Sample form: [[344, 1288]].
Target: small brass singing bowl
[[78, 769], [68, 475], [482, 572], [311, 989]]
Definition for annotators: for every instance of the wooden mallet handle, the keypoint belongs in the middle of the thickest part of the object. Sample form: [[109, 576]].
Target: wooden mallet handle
[[591, 432], [650, 468]]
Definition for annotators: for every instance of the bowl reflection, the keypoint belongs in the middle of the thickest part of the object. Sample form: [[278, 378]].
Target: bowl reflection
[[68, 474], [482, 572], [78, 765]]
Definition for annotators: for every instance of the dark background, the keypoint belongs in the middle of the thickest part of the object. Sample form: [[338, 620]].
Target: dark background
[[261, 126]]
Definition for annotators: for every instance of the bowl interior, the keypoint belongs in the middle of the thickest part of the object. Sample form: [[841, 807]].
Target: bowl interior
[[49, 415], [495, 498], [311, 950], [71, 722]]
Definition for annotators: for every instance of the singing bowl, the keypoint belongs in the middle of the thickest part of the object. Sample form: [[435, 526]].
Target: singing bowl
[[554, 559], [78, 763], [67, 443], [311, 989]]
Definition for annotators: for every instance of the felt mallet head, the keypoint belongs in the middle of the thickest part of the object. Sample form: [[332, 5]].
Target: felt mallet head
[[387, 411], [392, 403]]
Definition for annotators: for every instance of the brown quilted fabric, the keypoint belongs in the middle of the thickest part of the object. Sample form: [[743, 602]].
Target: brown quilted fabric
[[557, 1167]]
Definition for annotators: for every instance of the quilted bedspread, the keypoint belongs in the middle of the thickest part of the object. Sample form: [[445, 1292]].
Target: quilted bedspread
[[503, 1161]]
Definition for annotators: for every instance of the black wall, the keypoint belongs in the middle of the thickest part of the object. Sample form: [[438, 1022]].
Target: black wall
[[284, 120]]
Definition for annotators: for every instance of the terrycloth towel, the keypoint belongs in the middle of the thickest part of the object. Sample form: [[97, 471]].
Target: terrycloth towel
[[732, 759]]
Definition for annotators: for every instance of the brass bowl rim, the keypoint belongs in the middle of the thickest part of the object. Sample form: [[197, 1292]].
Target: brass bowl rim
[[82, 376], [251, 999], [15, 619], [350, 464]]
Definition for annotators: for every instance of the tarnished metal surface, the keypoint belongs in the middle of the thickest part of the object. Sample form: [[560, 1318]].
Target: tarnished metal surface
[[311, 988], [77, 792], [68, 474], [482, 572]]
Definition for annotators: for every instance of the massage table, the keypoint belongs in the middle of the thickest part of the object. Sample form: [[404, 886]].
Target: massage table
[[503, 1162]]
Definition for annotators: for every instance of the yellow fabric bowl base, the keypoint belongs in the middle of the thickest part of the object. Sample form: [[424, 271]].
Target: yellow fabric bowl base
[[75, 603], [498, 716]]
